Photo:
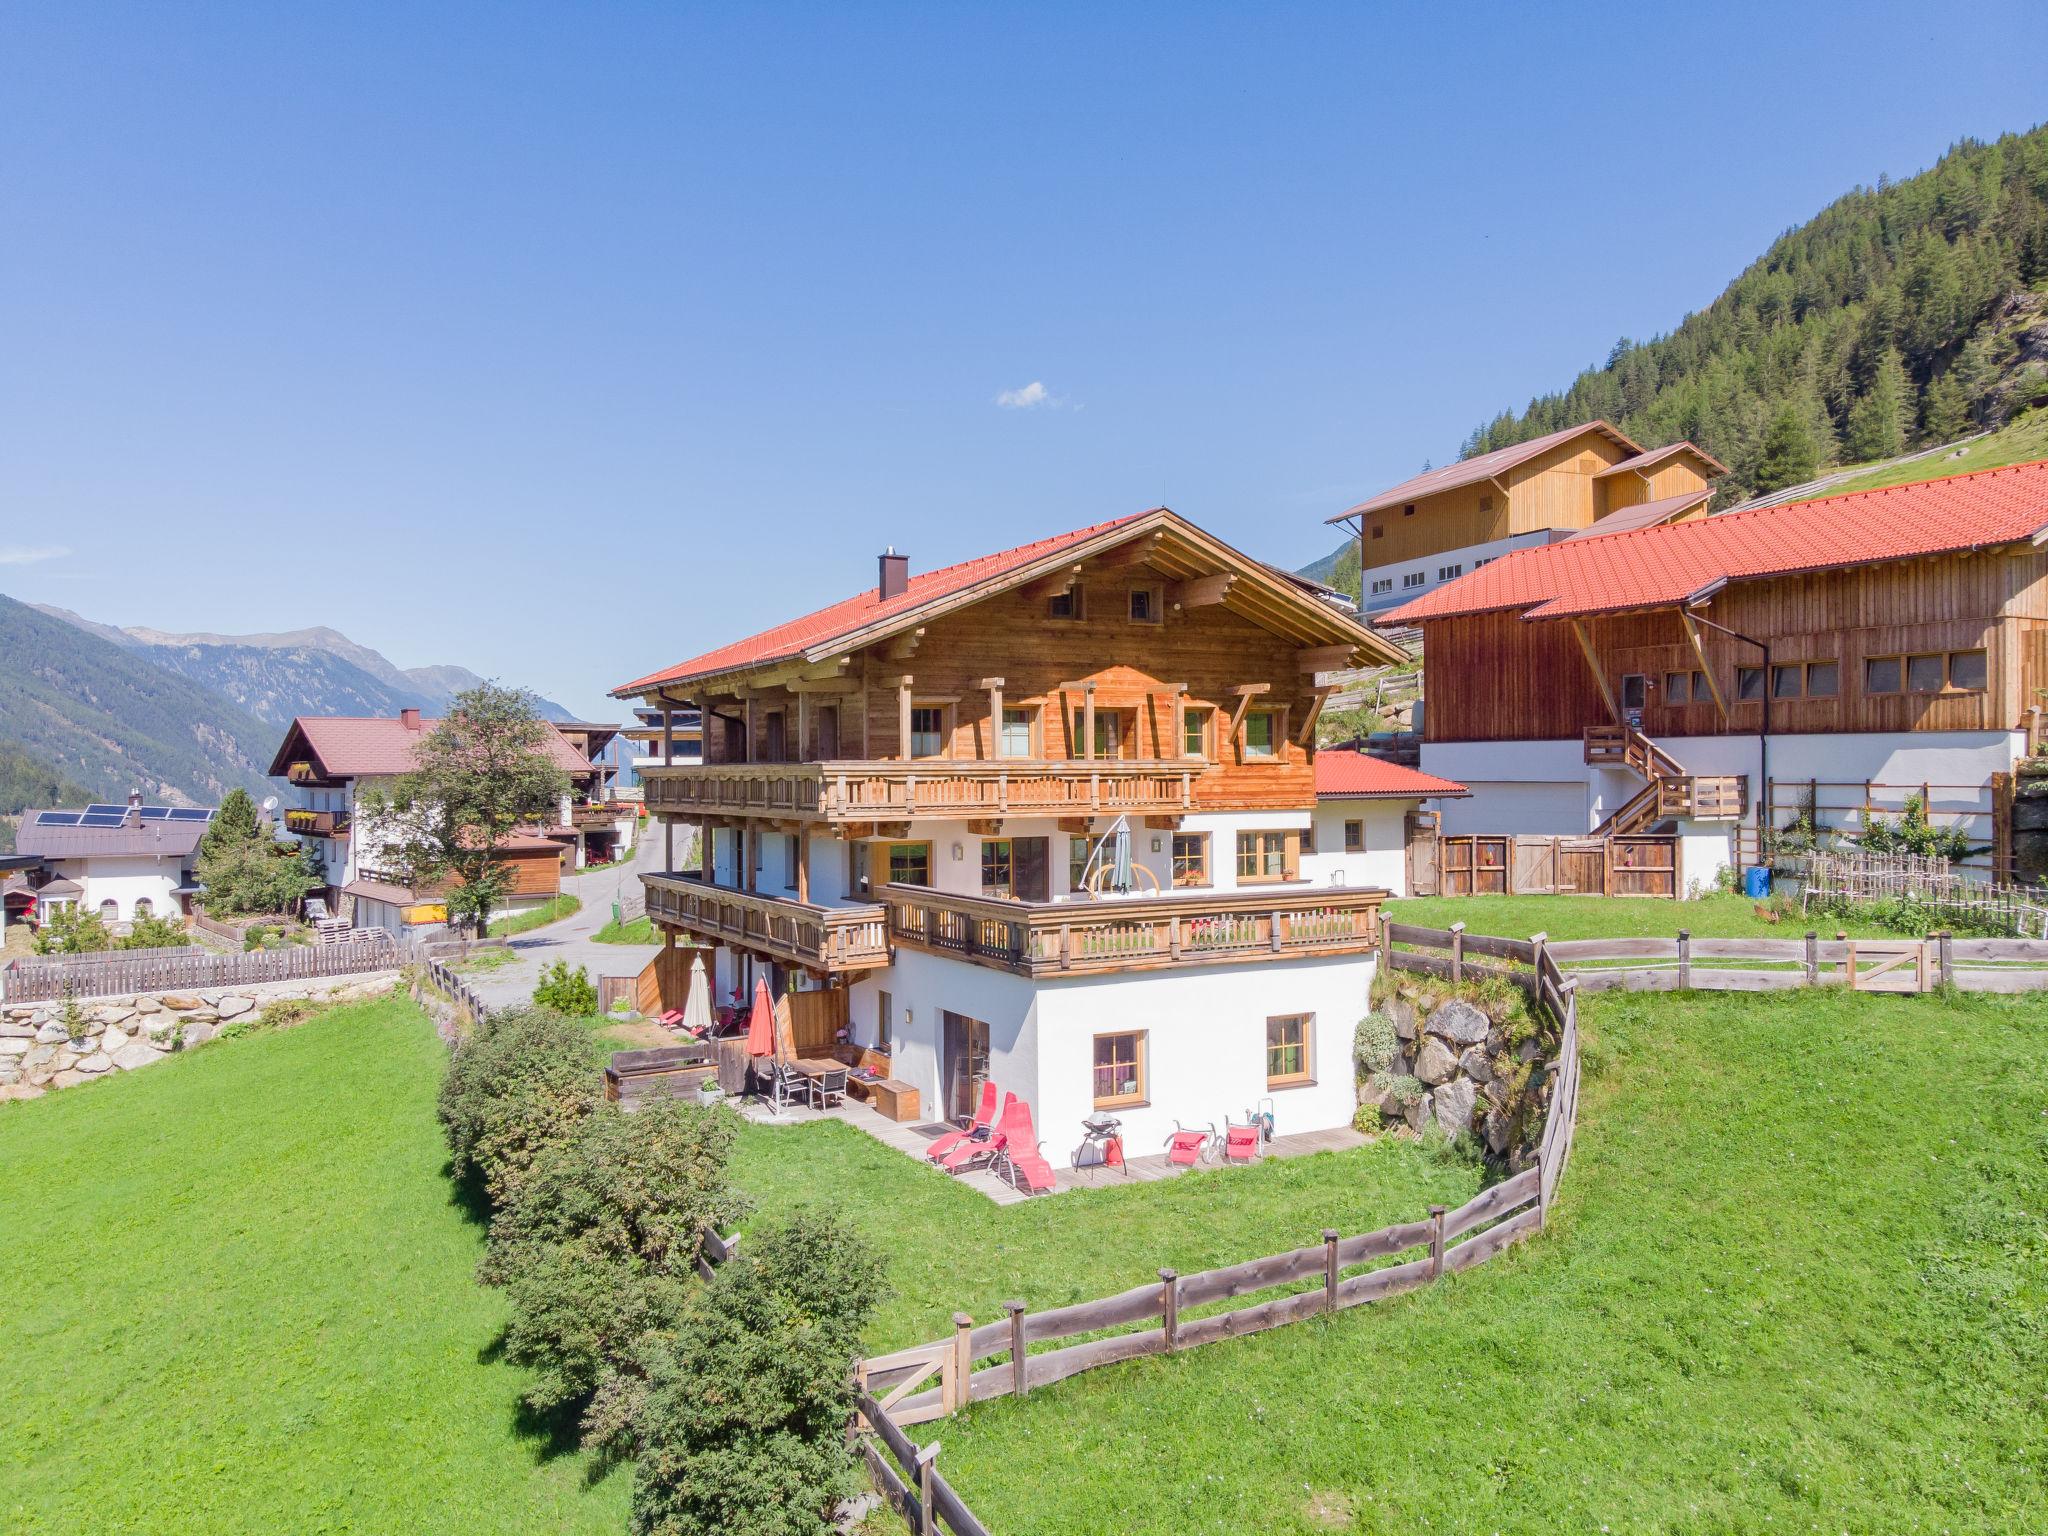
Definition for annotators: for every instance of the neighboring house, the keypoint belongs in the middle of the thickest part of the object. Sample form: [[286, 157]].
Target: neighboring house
[[665, 736], [334, 760], [1446, 523], [1623, 682], [602, 822], [918, 800], [121, 861], [1364, 809]]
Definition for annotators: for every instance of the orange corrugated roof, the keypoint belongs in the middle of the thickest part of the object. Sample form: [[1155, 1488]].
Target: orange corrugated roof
[[1347, 773], [1470, 471], [864, 609], [1660, 567]]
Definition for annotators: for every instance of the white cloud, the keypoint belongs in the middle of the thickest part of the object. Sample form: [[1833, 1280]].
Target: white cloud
[[31, 554], [1029, 398]]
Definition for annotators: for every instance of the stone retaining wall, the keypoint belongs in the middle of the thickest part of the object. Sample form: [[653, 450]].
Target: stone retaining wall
[[1461, 1061], [39, 1050]]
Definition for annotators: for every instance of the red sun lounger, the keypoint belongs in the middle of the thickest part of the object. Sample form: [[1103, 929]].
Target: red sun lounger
[[1018, 1156], [970, 1153], [984, 1119], [1187, 1144]]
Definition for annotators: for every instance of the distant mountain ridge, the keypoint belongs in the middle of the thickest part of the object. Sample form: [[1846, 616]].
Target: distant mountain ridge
[[274, 676]]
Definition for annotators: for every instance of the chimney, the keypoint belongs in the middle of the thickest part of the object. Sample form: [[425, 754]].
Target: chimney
[[134, 798], [895, 574], [409, 718]]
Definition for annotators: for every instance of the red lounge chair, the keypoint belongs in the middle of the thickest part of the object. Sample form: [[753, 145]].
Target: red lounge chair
[[1018, 1157], [672, 1018], [1188, 1145], [984, 1119], [1240, 1142], [971, 1153]]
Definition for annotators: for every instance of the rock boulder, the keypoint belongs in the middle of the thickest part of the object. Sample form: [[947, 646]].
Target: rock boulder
[[138, 1054], [1452, 1105], [235, 1007], [1434, 1064], [1459, 1022], [1473, 1063]]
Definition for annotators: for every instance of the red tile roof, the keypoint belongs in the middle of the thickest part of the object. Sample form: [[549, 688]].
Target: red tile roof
[[1470, 471], [1644, 514], [1345, 773], [358, 746], [1660, 567], [864, 609]]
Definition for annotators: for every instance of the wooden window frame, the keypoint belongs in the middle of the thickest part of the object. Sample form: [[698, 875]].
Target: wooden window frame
[[1676, 689], [1199, 876], [1898, 686], [1834, 692], [1124, 715], [1379, 530], [1763, 684], [1202, 718], [1276, 747], [1076, 601], [885, 1008], [945, 733], [1643, 691], [1034, 726], [1940, 660], [1903, 660], [1290, 854], [1155, 597], [1008, 890], [1140, 1050], [1306, 1077], [1950, 671], [1354, 834], [889, 860], [1073, 878], [1797, 672]]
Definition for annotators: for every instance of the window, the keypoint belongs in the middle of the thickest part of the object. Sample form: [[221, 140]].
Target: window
[[1078, 849], [109, 911], [1448, 572], [1354, 837], [1634, 688], [1749, 682], [1258, 733], [1881, 674], [1952, 672], [1016, 737], [143, 908], [1409, 510], [1966, 670], [1924, 674], [885, 1020], [1487, 561], [1308, 838], [1065, 605], [1486, 503], [1109, 731], [1144, 605], [910, 863], [1190, 858], [1262, 856], [1414, 578], [1119, 1069], [997, 871], [1194, 727], [1289, 1050], [1786, 681], [1700, 692], [1674, 688], [1823, 679], [1379, 531], [927, 731], [1382, 584]]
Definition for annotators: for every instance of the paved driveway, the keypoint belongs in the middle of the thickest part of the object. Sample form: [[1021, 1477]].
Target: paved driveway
[[570, 938]]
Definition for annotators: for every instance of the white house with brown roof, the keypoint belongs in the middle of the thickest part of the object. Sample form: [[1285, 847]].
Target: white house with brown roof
[[333, 760], [1445, 523], [1365, 812], [122, 862]]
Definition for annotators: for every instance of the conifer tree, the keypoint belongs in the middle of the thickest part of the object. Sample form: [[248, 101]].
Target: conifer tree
[[1789, 456]]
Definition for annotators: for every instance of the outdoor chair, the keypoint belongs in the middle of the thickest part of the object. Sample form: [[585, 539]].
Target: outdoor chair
[[971, 1153], [1189, 1145], [1240, 1142], [826, 1088], [984, 1120], [786, 1085], [1020, 1155]]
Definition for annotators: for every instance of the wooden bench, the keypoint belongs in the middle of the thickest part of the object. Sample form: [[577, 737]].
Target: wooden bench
[[670, 1072], [897, 1100]]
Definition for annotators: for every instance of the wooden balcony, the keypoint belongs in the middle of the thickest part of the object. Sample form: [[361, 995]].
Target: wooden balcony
[[1143, 933], [839, 792], [830, 939], [584, 817], [316, 823]]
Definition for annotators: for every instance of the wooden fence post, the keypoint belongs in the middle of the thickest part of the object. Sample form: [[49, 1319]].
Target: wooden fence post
[[1812, 958], [1169, 1307], [1436, 1242], [1537, 941], [1457, 952], [1543, 1183], [1946, 949], [1018, 1372], [1330, 1235], [928, 1520], [1685, 959]]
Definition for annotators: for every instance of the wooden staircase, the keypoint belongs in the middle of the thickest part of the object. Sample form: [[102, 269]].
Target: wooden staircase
[[1669, 793]]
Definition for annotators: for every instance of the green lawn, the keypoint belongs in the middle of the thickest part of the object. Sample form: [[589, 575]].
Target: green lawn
[[241, 1300], [553, 910], [1606, 917], [485, 960], [639, 931], [2020, 441], [1797, 1281]]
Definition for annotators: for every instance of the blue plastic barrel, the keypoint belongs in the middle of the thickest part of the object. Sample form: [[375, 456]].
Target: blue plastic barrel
[[1756, 883]]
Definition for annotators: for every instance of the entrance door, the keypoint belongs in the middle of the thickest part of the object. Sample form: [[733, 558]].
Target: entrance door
[[825, 734], [963, 1063], [1030, 869]]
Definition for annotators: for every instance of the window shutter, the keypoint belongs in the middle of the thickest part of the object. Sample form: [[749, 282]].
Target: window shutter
[[1291, 856]]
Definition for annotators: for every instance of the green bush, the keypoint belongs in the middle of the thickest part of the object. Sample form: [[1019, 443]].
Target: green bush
[[68, 931], [566, 991], [519, 1085], [1376, 1043], [1912, 833], [1405, 1089], [155, 933], [743, 1432]]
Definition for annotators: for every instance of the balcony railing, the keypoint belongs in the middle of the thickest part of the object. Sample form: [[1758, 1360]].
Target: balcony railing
[[1078, 938], [896, 791], [301, 773], [316, 823], [599, 815], [828, 939]]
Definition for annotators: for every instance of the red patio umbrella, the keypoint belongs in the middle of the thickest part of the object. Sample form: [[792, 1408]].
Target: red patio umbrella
[[761, 1022]]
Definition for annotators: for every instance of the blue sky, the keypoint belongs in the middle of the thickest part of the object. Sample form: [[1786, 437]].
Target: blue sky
[[566, 341]]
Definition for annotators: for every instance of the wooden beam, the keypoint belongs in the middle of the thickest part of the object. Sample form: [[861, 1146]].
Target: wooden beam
[[1600, 677], [1324, 658], [1201, 591], [803, 864], [904, 646], [803, 685], [1051, 585], [1246, 692], [994, 685], [1138, 552], [1315, 711], [1692, 633], [903, 718]]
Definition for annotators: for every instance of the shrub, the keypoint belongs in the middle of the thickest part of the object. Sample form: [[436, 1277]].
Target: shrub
[[1406, 1090], [517, 1086], [743, 1428], [1912, 833], [68, 931], [1376, 1043], [566, 991]]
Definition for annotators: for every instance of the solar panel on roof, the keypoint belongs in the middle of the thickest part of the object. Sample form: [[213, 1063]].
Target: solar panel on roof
[[191, 813], [155, 812], [58, 819], [106, 810], [90, 820]]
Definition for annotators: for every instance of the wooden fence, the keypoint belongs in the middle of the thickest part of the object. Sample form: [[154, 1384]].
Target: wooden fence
[[1502, 865], [468, 1004], [181, 970], [1856, 877], [1336, 1273], [1767, 965]]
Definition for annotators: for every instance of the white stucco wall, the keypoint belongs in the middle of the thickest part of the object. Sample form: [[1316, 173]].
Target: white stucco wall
[[1383, 862], [124, 881]]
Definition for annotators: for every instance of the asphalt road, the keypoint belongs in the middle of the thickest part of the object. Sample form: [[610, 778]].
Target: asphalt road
[[570, 938]]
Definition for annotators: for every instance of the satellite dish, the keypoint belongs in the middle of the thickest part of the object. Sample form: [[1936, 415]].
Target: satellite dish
[[270, 802]]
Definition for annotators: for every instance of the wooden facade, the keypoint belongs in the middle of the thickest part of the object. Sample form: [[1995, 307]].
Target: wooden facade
[[1499, 677]]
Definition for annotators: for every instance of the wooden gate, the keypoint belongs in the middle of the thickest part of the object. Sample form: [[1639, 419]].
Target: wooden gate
[[1582, 866], [1886, 965], [1642, 866], [1474, 866], [1424, 853], [665, 982]]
